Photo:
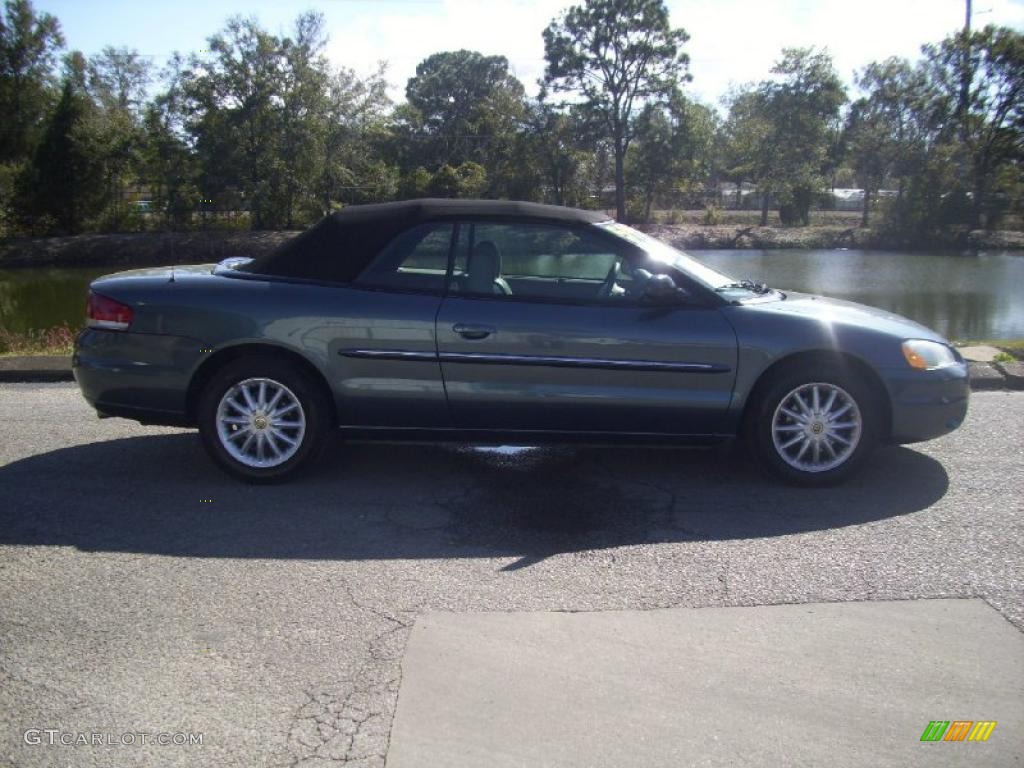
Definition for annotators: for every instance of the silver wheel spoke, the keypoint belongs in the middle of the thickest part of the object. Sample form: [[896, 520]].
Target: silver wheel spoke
[[831, 401], [841, 411], [794, 415], [282, 437], [236, 405], [273, 400], [247, 395], [803, 448], [286, 409], [793, 442]]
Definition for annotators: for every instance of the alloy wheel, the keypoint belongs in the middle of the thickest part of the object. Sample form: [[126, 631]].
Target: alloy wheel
[[816, 427], [260, 422]]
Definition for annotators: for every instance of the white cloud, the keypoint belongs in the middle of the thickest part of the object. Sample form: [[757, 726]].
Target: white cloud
[[732, 41], [736, 41], [405, 34]]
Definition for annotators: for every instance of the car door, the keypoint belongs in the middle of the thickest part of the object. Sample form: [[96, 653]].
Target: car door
[[384, 350], [538, 333]]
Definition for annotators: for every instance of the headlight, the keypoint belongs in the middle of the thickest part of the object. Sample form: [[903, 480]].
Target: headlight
[[927, 355]]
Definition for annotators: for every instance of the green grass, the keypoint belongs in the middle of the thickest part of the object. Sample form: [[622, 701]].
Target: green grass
[[52, 341]]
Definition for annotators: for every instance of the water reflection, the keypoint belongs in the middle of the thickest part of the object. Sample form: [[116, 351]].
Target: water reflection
[[36, 299], [961, 297]]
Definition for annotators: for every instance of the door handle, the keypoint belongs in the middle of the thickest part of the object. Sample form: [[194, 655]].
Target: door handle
[[473, 332]]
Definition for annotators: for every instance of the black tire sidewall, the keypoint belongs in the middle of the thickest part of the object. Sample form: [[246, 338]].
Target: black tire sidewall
[[309, 395], [759, 427]]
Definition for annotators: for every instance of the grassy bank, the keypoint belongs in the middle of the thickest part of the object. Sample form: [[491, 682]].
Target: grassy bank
[[52, 341]]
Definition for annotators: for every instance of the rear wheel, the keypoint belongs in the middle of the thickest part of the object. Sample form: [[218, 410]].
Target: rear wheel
[[261, 420], [813, 426]]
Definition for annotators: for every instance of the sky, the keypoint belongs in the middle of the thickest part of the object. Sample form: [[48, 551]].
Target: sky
[[731, 41]]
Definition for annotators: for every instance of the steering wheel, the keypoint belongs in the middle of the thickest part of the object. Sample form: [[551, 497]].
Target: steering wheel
[[609, 282]]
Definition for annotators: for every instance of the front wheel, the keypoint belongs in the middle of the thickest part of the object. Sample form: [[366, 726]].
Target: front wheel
[[813, 426], [261, 420]]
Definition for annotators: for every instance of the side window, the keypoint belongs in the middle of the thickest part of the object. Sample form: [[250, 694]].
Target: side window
[[416, 260], [534, 261]]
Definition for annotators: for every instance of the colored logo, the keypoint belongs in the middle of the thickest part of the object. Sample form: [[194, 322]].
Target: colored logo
[[958, 730]]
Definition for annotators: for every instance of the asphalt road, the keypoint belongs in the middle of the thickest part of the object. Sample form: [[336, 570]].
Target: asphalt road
[[141, 591]]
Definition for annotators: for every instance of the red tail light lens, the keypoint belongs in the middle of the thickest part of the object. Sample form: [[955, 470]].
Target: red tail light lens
[[104, 312]]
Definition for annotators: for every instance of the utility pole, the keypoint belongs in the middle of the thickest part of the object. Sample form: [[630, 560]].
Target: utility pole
[[966, 75]]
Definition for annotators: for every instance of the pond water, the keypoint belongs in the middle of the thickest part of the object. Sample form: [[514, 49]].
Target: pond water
[[961, 297]]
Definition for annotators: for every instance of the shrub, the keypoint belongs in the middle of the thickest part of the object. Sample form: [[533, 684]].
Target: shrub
[[712, 215]]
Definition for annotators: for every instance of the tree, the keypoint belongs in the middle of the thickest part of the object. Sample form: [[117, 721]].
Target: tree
[[778, 131], [62, 187], [463, 107], [986, 67], [353, 169], [559, 155], [29, 43], [168, 166], [116, 80], [616, 54], [887, 129], [672, 150]]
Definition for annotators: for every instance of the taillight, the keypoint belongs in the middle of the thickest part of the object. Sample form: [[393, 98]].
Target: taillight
[[104, 312]]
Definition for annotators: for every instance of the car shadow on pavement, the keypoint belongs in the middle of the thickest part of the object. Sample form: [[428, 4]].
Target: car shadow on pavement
[[161, 495]]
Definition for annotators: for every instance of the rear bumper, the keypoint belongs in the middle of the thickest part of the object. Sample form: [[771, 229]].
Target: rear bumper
[[135, 375], [927, 404]]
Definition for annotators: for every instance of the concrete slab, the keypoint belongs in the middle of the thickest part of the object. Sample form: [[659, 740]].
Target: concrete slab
[[838, 684], [1014, 373], [979, 353], [35, 368], [986, 376]]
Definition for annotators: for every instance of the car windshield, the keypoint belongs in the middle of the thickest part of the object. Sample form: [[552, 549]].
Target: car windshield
[[665, 253]]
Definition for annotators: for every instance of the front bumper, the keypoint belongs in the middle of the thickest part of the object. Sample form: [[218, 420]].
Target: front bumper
[[927, 404], [139, 376]]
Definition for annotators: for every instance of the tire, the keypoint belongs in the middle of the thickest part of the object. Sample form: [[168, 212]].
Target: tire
[[786, 447], [292, 434]]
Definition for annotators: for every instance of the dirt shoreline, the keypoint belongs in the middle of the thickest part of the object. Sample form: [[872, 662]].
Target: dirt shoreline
[[164, 248]]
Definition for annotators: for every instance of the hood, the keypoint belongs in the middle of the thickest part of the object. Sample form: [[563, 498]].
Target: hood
[[846, 313]]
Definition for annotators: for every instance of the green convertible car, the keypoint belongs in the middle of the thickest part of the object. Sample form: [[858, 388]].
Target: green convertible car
[[490, 321]]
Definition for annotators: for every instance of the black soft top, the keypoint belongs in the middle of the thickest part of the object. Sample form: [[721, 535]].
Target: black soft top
[[341, 245]]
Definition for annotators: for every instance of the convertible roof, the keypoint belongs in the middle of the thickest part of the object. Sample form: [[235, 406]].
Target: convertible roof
[[341, 245]]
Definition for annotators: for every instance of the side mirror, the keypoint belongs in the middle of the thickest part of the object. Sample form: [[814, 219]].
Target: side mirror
[[662, 289]]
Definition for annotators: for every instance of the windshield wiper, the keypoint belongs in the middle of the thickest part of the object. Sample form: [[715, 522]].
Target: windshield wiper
[[749, 285]]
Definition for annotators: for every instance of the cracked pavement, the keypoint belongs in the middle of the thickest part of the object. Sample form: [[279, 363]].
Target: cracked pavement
[[273, 620]]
